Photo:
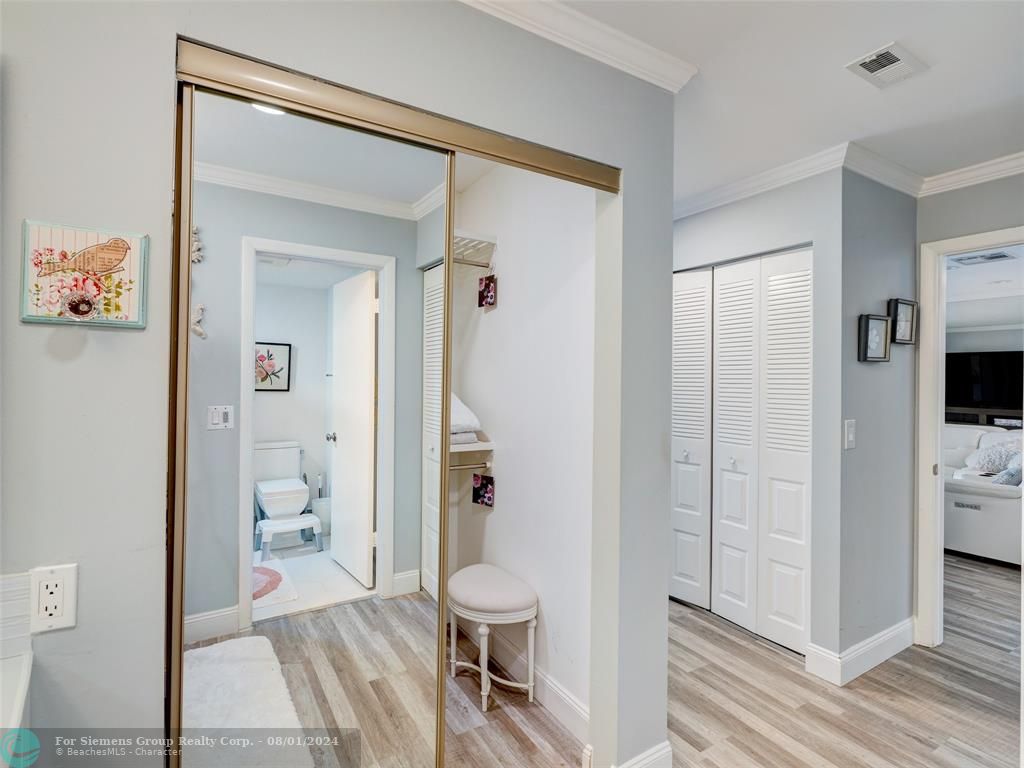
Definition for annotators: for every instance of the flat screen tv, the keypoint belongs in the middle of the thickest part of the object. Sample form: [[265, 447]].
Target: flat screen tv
[[984, 380]]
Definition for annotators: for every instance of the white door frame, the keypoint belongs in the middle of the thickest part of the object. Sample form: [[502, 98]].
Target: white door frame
[[386, 270], [931, 384]]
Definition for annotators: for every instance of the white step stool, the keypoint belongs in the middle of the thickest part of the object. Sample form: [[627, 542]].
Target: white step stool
[[265, 530]]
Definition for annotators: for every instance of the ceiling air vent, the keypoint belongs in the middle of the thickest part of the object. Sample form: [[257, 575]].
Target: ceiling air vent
[[889, 64], [974, 259]]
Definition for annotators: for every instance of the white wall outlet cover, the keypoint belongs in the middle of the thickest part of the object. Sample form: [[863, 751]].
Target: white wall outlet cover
[[220, 417], [53, 602]]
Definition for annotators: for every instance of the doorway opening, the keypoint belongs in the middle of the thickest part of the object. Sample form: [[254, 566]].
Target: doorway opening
[[953, 490], [337, 548]]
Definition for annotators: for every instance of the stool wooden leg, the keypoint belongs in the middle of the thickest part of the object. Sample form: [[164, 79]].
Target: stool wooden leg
[[531, 631], [485, 678], [455, 638]]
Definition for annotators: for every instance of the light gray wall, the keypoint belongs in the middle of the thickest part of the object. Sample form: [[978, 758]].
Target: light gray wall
[[985, 341], [876, 564], [430, 238], [807, 211], [109, 670], [224, 215], [984, 207]]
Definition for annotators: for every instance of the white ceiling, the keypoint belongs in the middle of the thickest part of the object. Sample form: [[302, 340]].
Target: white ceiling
[[301, 273], [232, 134], [772, 88], [984, 295]]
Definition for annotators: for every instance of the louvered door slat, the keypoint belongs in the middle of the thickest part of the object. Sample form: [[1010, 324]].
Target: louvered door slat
[[690, 578], [784, 459]]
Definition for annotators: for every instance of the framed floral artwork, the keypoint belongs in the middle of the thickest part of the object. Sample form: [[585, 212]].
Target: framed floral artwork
[[903, 313], [84, 276], [873, 338], [273, 367]]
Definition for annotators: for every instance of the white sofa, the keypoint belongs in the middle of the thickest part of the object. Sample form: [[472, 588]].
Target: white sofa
[[981, 518]]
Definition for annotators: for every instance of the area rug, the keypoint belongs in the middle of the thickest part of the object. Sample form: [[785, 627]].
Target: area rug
[[271, 584], [236, 689]]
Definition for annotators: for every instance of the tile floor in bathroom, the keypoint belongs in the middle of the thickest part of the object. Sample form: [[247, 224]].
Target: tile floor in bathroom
[[319, 581]]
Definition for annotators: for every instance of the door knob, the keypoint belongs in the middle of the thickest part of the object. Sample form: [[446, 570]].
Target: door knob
[[732, 461], [332, 437], [686, 455]]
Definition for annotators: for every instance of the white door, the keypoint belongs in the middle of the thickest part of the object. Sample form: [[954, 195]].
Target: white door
[[735, 441], [354, 417], [433, 362], [690, 579], [784, 464]]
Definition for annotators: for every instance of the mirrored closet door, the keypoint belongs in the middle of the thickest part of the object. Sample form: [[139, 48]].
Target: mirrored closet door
[[315, 376], [521, 467]]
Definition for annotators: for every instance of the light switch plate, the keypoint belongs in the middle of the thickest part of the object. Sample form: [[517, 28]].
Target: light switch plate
[[53, 600], [220, 417], [849, 434]]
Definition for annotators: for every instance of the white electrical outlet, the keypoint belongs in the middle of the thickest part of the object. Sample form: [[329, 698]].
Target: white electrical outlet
[[54, 597]]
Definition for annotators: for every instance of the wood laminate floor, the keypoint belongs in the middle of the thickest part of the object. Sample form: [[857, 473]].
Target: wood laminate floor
[[738, 701], [371, 665]]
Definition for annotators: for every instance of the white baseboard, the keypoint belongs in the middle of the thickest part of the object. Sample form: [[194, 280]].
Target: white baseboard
[[841, 668], [205, 626], [658, 756], [405, 583], [555, 697]]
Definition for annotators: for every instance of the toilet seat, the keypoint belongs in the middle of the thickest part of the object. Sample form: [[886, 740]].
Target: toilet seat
[[275, 489]]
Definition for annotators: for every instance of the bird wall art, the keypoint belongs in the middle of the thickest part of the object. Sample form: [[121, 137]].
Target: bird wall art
[[79, 275]]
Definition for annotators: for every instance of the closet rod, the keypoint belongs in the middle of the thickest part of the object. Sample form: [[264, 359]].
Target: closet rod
[[471, 263], [481, 465]]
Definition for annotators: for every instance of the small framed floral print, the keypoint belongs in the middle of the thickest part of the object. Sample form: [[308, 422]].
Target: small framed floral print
[[904, 320], [873, 339], [85, 276], [273, 367]]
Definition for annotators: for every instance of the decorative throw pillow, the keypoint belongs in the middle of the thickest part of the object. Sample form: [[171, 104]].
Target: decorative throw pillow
[[1009, 476], [993, 458]]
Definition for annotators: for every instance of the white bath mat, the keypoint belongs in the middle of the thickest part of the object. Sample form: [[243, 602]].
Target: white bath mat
[[234, 685], [271, 584]]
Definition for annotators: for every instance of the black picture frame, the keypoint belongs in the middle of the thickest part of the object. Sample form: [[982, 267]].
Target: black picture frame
[[867, 344], [281, 353], [899, 327]]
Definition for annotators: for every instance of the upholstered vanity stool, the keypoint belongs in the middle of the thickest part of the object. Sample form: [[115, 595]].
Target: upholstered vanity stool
[[489, 595]]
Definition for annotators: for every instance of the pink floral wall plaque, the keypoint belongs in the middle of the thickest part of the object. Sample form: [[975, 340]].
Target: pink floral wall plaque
[[80, 275]]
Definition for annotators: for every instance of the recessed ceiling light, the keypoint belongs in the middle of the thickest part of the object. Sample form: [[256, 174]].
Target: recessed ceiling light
[[266, 108]]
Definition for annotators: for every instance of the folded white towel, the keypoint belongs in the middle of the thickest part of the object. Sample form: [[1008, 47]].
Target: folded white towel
[[463, 419], [463, 438]]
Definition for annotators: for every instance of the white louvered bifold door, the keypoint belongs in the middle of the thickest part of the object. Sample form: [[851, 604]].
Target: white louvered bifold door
[[783, 553], [735, 443], [690, 579], [433, 362]]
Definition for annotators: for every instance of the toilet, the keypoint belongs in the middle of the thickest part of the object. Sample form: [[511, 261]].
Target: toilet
[[281, 494]]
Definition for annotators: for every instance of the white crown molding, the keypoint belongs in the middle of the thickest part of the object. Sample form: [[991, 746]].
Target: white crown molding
[[568, 27], [859, 160], [430, 201], [274, 185], [885, 172], [763, 182], [1000, 168]]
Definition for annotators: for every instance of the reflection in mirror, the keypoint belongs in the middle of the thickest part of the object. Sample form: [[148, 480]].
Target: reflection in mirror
[[521, 468], [313, 391]]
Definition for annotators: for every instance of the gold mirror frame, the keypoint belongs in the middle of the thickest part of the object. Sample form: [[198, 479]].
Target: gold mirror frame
[[219, 71]]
